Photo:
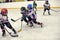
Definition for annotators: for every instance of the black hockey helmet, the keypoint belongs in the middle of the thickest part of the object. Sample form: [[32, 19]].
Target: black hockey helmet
[[47, 2], [23, 8]]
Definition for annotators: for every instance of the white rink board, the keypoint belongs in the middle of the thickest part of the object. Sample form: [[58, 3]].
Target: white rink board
[[53, 3]]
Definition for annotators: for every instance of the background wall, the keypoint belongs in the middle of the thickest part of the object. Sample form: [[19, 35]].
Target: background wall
[[54, 4], [2, 0]]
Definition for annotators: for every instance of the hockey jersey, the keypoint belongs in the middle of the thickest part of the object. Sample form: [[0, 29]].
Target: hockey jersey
[[46, 5], [31, 13]]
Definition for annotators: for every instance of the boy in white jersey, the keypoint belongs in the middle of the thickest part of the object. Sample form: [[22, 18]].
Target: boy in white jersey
[[32, 15], [46, 7], [4, 21]]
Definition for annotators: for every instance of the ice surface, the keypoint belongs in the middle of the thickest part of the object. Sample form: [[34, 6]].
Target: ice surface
[[50, 30]]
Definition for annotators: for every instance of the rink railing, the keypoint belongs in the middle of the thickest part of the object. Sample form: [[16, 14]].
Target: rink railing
[[38, 8]]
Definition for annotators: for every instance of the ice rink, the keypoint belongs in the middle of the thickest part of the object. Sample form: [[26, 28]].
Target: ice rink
[[49, 31]]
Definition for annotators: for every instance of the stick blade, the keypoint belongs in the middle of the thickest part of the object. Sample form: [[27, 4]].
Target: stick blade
[[14, 35], [12, 20], [20, 30], [54, 10]]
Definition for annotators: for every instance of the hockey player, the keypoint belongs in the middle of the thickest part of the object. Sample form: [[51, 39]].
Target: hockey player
[[34, 5], [24, 14], [4, 21], [46, 7], [32, 15]]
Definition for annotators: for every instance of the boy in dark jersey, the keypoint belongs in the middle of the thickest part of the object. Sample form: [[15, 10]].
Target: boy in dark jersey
[[34, 5], [24, 14]]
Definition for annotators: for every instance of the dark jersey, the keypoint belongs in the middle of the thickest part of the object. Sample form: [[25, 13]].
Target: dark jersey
[[34, 5], [24, 13]]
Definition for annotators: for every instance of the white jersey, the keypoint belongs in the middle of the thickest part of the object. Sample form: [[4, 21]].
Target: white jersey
[[31, 13], [5, 19], [46, 5]]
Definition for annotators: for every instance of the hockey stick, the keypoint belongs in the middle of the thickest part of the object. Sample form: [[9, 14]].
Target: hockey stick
[[20, 28], [54, 10], [10, 33], [58, 10], [15, 20], [12, 20]]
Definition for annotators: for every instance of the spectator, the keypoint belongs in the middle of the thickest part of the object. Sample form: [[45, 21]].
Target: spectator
[[29, 0], [8, 0]]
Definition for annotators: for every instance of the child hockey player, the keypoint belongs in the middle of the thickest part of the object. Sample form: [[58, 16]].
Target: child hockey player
[[4, 21], [46, 7], [32, 15], [34, 5], [24, 14]]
